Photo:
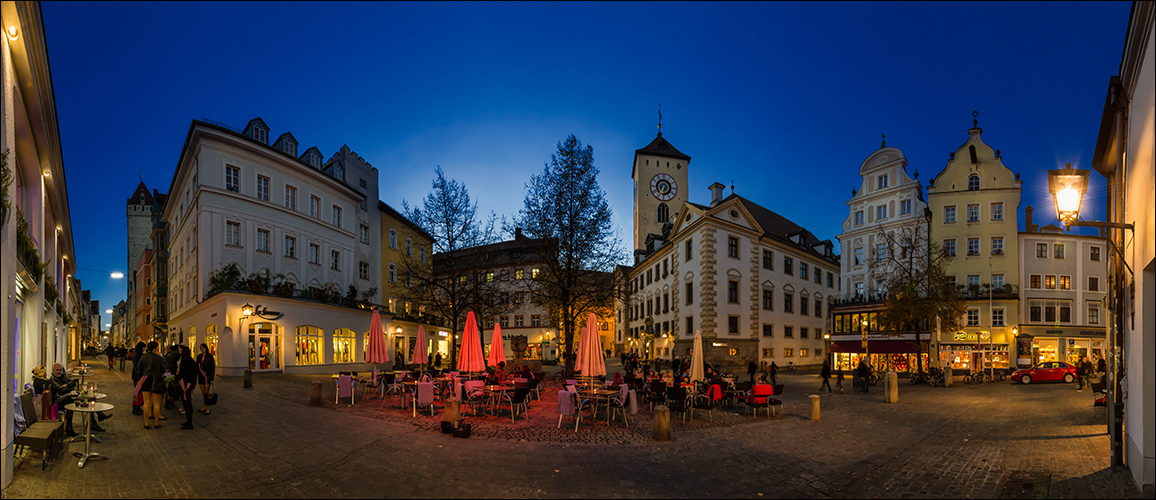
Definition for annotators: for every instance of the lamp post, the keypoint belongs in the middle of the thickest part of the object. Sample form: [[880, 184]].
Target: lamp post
[[866, 352], [1067, 186]]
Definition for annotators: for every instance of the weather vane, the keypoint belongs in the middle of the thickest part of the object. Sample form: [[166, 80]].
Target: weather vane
[[975, 119], [659, 119], [883, 143]]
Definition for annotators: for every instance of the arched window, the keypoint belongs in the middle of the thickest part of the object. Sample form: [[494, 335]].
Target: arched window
[[343, 342], [663, 213], [973, 182]]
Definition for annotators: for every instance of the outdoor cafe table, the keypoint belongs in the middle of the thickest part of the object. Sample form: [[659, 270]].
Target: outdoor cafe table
[[84, 408], [96, 396], [77, 372], [599, 395], [495, 391]]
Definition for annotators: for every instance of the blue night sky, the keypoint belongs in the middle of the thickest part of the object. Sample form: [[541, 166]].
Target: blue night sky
[[785, 99]]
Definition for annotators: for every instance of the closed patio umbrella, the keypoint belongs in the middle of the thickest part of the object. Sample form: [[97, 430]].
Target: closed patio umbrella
[[590, 350], [471, 359], [497, 347], [696, 374], [378, 352], [420, 353]]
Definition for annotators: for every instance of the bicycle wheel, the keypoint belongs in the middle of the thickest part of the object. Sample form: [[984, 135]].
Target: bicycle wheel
[[559, 378], [967, 378]]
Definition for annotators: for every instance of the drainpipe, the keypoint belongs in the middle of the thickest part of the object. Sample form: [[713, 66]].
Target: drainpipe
[[1116, 292]]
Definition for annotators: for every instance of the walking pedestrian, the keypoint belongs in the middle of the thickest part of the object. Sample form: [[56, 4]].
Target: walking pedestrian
[[207, 367], [187, 374], [864, 374], [826, 374], [752, 368], [152, 384], [839, 379], [137, 401], [122, 355], [774, 373], [1084, 372], [110, 352]]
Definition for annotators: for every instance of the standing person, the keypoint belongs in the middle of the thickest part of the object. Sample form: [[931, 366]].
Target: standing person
[[438, 359], [187, 374], [137, 352], [207, 367], [1086, 364], [1102, 367], [839, 379], [826, 374], [752, 368], [864, 374], [122, 355], [1080, 375], [774, 373], [152, 384], [171, 359], [110, 352]]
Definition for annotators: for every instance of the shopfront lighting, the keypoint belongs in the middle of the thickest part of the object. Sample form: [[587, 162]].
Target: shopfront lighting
[[247, 310]]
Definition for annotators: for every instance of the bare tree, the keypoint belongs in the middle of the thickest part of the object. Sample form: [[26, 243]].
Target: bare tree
[[451, 280], [912, 272], [565, 206]]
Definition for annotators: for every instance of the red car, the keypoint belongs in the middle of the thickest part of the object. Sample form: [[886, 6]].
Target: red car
[[1051, 371]]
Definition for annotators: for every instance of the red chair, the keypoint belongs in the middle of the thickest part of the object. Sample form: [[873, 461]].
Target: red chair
[[760, 398]]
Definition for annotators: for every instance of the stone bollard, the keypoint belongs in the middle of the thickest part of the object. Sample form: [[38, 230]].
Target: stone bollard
[[661, 423], [452, 412], [891, 388], [814, 407], [948, 376], [248, 378], [314, 393]]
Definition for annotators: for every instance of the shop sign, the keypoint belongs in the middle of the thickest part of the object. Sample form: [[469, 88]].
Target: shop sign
[[964, 336]]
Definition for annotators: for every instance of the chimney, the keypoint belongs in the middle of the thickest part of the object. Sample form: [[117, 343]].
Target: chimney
[[517, 233], [1028, 226], [716, 191]]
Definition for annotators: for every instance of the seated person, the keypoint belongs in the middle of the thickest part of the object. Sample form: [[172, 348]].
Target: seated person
[[40, 382], [525, 373], [500, 373], [62, 388]]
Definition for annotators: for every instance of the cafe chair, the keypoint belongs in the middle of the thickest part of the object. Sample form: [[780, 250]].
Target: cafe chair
[[737, 392], [676, 400], [656, 393], [533, 385], [621, 403], [706, 401], [474, 396], [568, 407], [1100, 389], [46, 436], [519, 400], [777, 403], [760, 398], [424, 397], [345, 387]]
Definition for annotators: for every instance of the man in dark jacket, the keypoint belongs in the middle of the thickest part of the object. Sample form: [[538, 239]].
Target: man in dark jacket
[[752, 368], [826, 374], [864, 374], [62, 388], [187, 372], [171, 359], [122, 355]]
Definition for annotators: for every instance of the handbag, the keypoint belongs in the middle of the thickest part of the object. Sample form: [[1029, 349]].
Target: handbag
[[211, 398]]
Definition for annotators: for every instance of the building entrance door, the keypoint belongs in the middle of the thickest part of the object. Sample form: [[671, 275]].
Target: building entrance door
[[264, 347]]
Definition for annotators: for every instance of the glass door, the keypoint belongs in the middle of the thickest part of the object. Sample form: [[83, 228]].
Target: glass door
[[264, 347]]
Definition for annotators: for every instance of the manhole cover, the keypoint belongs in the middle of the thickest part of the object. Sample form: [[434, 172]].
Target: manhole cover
[[1027, 485]]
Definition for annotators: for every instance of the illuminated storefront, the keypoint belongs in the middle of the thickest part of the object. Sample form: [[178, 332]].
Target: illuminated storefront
[[1037, 344]]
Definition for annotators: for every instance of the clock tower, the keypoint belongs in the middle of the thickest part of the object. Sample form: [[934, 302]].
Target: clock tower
[[660, 187]]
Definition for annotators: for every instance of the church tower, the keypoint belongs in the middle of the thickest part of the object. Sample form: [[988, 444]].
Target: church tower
[[138, 210], [660, 186]]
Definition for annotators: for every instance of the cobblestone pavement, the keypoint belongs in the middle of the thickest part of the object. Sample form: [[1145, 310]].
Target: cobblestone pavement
[[979, 441]]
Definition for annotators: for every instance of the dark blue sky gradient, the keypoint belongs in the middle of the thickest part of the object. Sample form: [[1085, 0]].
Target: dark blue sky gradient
[[785, 99]]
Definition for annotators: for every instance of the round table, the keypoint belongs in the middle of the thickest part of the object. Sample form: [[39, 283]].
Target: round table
[[76, 372], [97, 396], [88, 410]]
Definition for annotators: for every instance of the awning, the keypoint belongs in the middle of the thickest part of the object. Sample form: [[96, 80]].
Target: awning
[[876, 346]]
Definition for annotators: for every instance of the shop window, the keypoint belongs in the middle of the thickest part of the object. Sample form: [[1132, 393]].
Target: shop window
[[308, 345], [343, 341]]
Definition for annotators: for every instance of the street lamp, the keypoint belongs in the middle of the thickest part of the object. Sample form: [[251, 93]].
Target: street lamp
[[1067, 186]]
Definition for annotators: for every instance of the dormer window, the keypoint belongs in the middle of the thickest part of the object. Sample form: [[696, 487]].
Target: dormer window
[[259, 133], [315, 160], [338, 171], [289, 147]]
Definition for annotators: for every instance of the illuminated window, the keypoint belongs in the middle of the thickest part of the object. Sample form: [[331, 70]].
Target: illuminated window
[[343, 341], [308, 345]]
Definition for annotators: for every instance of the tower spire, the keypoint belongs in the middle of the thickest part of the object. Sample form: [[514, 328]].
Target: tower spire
[[660, 120]]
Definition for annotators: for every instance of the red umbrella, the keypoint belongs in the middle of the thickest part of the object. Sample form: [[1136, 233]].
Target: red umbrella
[[471, 359], [378, 353], [420, 355], [497, 347]]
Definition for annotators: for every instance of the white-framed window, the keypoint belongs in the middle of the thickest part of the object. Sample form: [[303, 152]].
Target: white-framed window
[[997, 281], [949, 214], [949, 247], [232, 179], [291, 197], [288, 147], [535, 320], [859, 256], [997, 211], [336, 216], [973, 212], [881, 212], [972, 246], [997, 245], [1034, 281], [314, 159], [1059, 250], [997, 316], [1093, 315], [880, 252], [315, 207], [392, 272], [860, 289], [363, 233], [973, 317], [291, 247], [314, 253], [859, 218], [338, 171], [392, 238], [262, 240], [1050, 282], [262, 188], [233, 234], [1095, 254], [335, 260], [1065, 282], [905, 207], [973, 182], [1041, 250], [883, 181], [972, 280], [363, 270], [408, 247], [1093, 284]]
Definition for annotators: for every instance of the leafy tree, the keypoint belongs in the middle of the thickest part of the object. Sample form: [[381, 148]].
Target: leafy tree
[[448, 281], [918, 290], [565, 206]]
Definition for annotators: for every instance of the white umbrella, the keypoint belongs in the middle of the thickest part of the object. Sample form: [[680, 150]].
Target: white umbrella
[[590, 350], [696, 374]]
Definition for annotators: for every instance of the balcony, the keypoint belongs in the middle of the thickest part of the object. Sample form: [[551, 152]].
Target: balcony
[[984, 291]]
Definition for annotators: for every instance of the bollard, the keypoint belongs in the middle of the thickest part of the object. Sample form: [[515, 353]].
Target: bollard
[[248, 378], [315, 394], [814, 407], [661, 423], [948, 376], [452, 412], [891, 389]]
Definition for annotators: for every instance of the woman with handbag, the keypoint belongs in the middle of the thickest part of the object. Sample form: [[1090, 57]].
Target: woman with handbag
[[207, 367], [152, 384], [187, 374], [138, 398]]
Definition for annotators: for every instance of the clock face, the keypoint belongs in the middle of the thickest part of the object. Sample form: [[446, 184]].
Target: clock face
[[663, 187]]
